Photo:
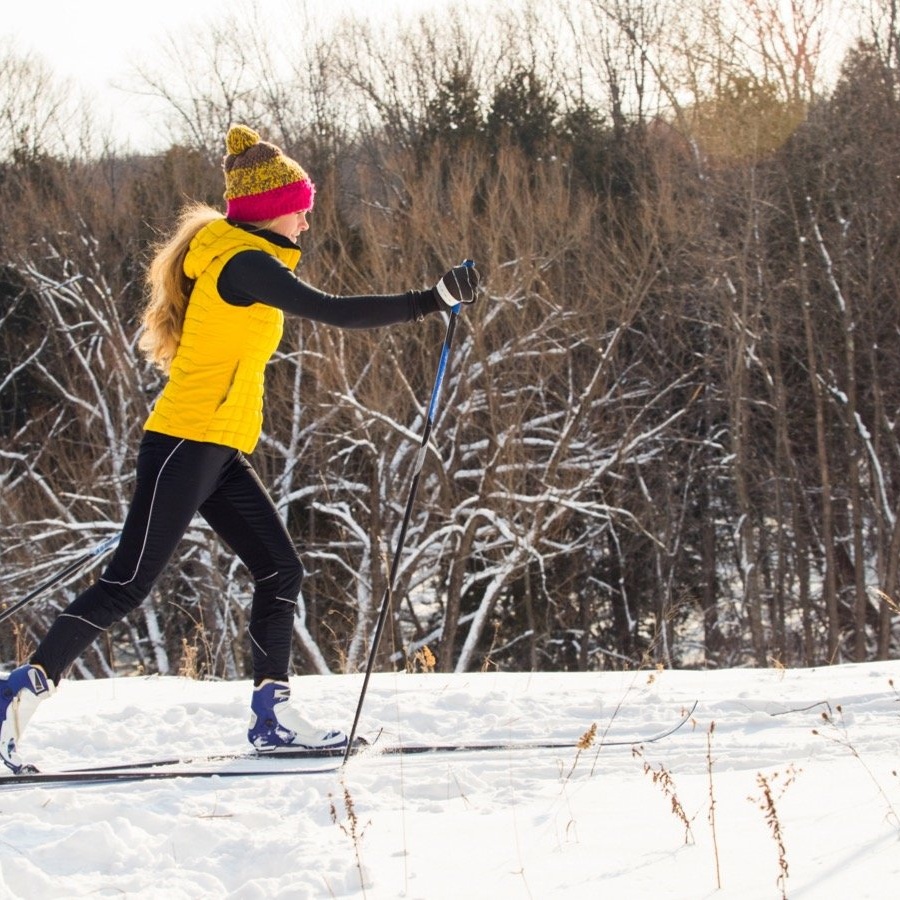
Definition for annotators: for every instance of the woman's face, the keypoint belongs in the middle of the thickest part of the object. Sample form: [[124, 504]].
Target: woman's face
[[291, 225]]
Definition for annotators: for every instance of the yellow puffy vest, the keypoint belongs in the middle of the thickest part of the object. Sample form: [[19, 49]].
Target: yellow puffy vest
[[216, 381]]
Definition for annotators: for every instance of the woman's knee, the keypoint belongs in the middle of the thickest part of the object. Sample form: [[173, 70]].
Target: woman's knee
[[291, 577], [103, 604], [285, 581]]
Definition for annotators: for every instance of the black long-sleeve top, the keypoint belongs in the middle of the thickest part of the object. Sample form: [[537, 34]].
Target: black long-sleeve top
[[254, 276]]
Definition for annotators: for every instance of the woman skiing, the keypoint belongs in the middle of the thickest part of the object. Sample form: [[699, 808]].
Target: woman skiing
[[219, 289]]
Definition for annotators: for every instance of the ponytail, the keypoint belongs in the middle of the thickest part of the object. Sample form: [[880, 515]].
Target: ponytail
[[170, 289]]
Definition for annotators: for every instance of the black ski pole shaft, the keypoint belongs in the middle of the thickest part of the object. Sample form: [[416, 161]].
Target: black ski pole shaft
[[401, 540], [61, 575]]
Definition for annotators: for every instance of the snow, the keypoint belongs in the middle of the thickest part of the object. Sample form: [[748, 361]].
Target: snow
[[503, 824]]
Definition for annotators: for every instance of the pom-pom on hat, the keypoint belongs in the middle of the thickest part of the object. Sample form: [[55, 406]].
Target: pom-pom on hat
[[260, 181]]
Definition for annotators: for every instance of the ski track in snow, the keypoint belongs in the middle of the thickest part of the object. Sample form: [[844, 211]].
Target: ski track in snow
[[503, 824]]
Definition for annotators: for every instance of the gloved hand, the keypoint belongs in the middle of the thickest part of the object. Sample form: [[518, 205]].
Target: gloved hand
[[459, 285]]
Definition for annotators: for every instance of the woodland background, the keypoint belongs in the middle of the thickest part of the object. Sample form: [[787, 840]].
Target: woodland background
[[668, 433]]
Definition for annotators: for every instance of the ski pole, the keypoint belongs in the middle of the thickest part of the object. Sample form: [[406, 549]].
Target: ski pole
[[62, 574], [417, 471]]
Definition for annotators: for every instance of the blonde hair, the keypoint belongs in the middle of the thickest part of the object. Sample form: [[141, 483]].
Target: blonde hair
[[169, 288]]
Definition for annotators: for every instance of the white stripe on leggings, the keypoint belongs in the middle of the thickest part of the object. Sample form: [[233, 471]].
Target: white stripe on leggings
[[149, 517]]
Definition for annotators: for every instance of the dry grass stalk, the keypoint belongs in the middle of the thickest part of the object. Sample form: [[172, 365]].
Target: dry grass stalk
[[352, 829], [585, 742], [662, 777], [24, 645], [838, 734], [887, 599], [423, 660], [767, 804], [189, 658], [712, 802]]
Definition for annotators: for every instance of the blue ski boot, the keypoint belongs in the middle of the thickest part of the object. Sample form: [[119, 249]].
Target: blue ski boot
[[20, 693], [276, 725]]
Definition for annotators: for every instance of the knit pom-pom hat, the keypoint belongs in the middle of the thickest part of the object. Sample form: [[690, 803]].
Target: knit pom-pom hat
[[260, 181]]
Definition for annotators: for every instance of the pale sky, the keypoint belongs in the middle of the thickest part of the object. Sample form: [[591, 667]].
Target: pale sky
[[96, 42]]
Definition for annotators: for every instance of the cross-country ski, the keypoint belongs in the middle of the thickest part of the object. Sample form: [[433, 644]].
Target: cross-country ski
[[158, 769]]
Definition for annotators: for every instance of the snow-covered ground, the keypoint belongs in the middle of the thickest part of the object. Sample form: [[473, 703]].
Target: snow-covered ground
[[612, 822]]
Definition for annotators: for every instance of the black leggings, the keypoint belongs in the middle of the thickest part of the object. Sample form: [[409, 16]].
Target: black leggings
[[177, 478]]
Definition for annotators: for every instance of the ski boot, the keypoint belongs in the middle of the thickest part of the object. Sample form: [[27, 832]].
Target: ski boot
[[20, 693], [276, 725]]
